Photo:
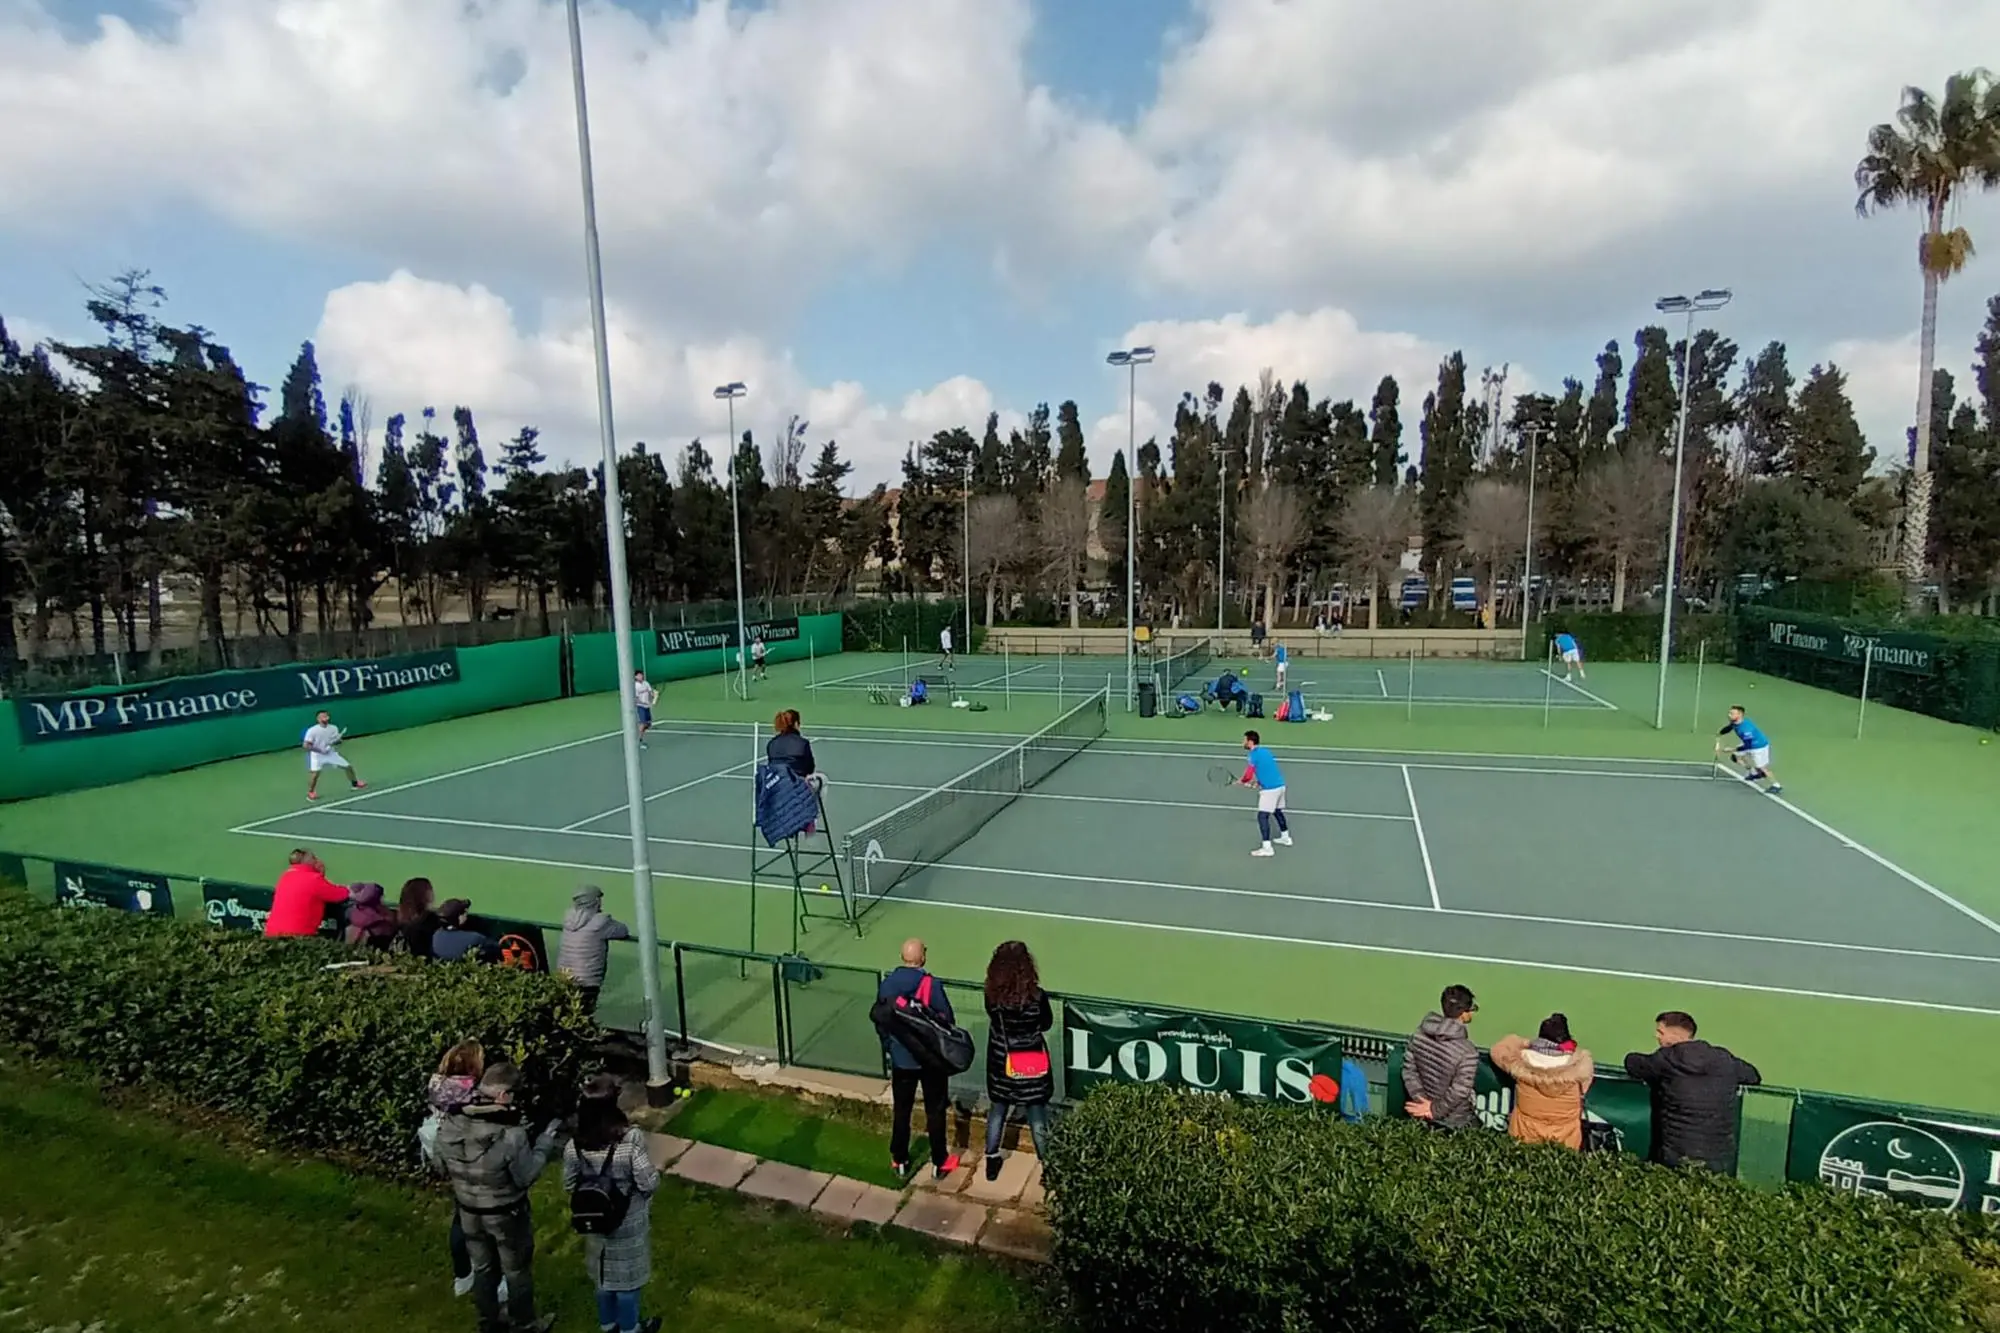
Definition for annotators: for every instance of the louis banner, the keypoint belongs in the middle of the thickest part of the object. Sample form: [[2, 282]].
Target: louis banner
[[1240, 1057]]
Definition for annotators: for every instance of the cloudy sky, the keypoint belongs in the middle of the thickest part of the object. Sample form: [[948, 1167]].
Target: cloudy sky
[[890, 216]]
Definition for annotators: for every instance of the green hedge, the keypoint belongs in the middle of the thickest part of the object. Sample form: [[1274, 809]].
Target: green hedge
[[334, 1061], [1634, 636], [1183, 1212]]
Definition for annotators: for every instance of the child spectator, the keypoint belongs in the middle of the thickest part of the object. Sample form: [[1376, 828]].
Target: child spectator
[[451, 1090], [369, 923], [492, 1165], [607, 1163]]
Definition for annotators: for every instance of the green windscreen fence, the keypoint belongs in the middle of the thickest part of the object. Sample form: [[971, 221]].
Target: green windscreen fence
[[1946, 676], [682, 652]]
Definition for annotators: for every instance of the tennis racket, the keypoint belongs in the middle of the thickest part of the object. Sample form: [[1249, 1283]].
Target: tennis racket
[[1224, 775]]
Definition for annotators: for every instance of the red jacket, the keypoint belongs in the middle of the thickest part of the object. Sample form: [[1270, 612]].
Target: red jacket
[[299, 903]]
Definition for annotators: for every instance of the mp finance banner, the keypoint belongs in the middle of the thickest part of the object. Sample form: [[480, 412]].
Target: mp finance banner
[[81, 885], [1624, 1105], [1892, 1154], [712, 638], [1245, 1058], [1910, 654], [166, 703]]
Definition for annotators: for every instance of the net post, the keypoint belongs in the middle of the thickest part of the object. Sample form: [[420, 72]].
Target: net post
[[812, 664], [1548, 682], [1410, 690], [1007, 673], [754, 729], [1867, 662], [906, 662], [1700, 666]]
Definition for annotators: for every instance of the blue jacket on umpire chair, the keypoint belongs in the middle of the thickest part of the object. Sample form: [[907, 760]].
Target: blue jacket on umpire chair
[[787, 804]]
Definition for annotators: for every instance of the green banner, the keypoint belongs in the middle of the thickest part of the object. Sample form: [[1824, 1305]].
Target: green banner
[[1893, 1153], [1619, 1102], [1106, 1043], [710, 638], [166, 703], [1911, 654], [82, 885], [245, 906], [13, 869]]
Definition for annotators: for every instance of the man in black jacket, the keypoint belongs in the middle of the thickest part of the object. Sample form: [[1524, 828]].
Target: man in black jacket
[[1441, 1065], [1694, 1094]]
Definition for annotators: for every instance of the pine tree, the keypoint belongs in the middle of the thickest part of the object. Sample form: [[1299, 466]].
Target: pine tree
[[1651, 399], [1828, 455], [1446, 466], [1387, 436], [1071, 460], [1600, 417], [1765, 405]]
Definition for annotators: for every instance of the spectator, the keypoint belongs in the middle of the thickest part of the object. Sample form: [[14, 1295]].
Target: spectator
[[1551, 1075], [416, 917], [451, 1090], [1440, 1064], [608, 1159], [492, 1165], [1694, 1094], [1017, 1054], [303, 894], [907, 1075], [1257, 633], [369, 923], [586, 942], [456, 939]]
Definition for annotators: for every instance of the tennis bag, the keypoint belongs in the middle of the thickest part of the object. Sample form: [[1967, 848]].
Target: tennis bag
[[1295, 706], [1188, 703], [1256, 706], [935, 1043]]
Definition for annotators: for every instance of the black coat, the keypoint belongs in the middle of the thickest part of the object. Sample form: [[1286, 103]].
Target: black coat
[[1694, 1101], [791, 750], [1018, 1028]]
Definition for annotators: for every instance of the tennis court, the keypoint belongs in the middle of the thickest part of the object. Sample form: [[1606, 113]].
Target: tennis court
[[993, 678], [1617, 867]]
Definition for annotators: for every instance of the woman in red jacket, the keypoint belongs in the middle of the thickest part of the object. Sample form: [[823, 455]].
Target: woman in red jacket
[[303, 894]]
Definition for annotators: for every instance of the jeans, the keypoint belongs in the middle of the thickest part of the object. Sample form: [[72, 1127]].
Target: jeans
[[903, 1085], [618, 1309], [1035, 1113], [501, 1243]]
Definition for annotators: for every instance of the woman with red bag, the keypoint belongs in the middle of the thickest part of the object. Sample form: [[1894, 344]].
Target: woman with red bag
[[1017, 1051]]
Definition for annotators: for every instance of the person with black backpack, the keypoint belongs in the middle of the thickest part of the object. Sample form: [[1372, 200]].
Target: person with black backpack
[[610, 1179]]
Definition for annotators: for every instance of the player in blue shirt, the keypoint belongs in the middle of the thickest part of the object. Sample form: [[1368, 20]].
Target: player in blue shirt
[[1753, 749], [1281, 658], [1262, 772], [1572, 656]]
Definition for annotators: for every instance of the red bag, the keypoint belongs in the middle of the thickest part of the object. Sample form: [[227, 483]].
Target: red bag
[[1027, 1064]]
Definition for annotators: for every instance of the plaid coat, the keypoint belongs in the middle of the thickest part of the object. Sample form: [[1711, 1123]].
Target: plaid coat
[[623, 1260]]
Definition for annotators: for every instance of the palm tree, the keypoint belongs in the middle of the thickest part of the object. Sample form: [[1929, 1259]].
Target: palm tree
[[1936, 152]]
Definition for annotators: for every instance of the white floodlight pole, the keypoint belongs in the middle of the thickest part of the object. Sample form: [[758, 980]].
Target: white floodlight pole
[[1712, 298], [1131, 359], [731, 392]]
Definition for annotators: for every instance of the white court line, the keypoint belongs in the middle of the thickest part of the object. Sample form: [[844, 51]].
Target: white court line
[[373, 792], [654, 796], [1423, 844], [1887, 864], [1093, 800], [1383, 681], [1366, 904], [1212, 933], [1569, 684]]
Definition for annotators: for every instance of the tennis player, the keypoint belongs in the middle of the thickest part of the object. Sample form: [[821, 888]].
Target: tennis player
[[757, 652], [944, 648], [1753, 749], [1282, 658], [644, 696], [322, 745], [1572, 656], [1262, 772]]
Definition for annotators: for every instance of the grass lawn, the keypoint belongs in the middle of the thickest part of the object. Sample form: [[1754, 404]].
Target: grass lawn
[[116, 1219], [780, 1129]]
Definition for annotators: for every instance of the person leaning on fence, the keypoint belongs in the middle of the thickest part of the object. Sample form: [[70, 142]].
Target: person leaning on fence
[[610, 1181], [1551, 1075], [1441, 1065], [586, 943], [492, 1164], [910, 983], [301, 898], [1694, 1094], [1018, 1073]]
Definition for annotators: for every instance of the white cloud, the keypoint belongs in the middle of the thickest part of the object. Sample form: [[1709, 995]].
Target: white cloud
[[1882, 385], [408, 342], [1326, 348]]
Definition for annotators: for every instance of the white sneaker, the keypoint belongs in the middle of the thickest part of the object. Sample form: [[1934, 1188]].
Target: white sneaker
[[462, 1286], [1284, 839], [503, 1291], [1265, 850]]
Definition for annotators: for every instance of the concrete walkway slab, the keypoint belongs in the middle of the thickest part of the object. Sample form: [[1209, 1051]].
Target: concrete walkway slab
[[707, 1164], [1015, 1172], [784, 1183], [1034, 1194], [857, 1201], [666, 1149], [1018, 1235], [945, 1218]]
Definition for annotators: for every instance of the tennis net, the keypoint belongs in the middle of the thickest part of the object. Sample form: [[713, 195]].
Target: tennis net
[[921, 832], [1187, 662]]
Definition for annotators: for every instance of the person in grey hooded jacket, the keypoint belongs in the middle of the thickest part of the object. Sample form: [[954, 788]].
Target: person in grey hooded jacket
[[492, 1164], [1441, 1065], [586, 942]]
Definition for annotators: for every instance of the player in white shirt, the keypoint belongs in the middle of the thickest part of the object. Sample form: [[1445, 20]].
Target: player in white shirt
[[944, 648], [757, 651], [644, 696], [322, 746]]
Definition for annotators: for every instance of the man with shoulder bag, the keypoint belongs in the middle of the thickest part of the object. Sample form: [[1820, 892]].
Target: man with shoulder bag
[[925, 1047]]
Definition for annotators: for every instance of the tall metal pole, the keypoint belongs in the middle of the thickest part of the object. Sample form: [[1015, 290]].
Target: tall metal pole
[[1221, 535], [966, 523], [658, 1074], [1710, 299], [731, 392], [1528, 558], [1131, 359]]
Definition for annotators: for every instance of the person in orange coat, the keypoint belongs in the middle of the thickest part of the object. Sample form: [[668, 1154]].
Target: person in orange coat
[[1551, 1074], [303, 894]]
